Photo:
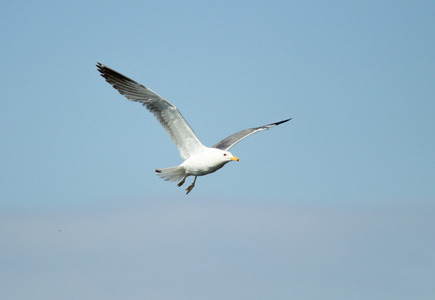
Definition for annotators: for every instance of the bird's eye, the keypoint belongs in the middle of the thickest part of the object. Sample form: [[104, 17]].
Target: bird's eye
[[225, 154]]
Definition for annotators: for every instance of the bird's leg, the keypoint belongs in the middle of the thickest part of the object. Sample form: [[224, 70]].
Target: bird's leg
[[190, 187], [182, 181]]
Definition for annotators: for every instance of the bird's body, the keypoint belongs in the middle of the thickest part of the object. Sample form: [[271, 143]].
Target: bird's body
[[199, 160], [207, 161]]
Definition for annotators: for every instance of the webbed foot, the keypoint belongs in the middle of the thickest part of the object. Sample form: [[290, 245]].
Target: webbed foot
[[181, 182], [190, 187]]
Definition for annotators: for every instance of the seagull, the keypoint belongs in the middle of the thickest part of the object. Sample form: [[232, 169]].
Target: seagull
[[199, 160]]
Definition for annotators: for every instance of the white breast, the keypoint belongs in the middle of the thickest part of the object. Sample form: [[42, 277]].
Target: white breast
[[205, 162]]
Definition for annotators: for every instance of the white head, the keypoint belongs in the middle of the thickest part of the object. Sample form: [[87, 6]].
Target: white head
[[222, 156], [228, 156]]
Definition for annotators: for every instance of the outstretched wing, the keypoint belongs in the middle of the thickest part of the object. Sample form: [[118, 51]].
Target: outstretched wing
[[166, 113], [230, 141]]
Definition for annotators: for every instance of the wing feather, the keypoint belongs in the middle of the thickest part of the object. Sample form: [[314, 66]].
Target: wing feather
[[166, 113], [230, 141]]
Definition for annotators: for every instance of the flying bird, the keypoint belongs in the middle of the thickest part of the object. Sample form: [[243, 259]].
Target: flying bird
[[199, 160]]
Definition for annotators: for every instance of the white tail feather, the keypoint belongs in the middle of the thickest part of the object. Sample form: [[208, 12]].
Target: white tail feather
[[172, 174]]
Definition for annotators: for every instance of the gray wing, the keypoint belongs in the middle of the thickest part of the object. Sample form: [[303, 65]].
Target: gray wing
[[166, 113], [230, 141]]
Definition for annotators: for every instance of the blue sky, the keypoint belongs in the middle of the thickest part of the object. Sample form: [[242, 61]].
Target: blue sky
[[338, 202]]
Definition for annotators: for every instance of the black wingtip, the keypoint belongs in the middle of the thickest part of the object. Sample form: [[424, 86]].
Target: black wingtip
[[280, 122], [100, 68], [110, 74]]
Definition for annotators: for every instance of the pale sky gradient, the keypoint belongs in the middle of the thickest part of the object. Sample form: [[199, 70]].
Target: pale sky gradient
[[338, 203]]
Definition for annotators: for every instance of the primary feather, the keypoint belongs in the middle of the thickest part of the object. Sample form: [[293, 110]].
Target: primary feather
[[230, 141], [166, 113]]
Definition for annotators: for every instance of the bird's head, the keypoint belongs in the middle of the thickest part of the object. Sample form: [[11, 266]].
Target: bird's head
[[217, 157], [227, 156]]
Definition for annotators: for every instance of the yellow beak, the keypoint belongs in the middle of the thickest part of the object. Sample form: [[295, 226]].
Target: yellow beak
[[235, 158]]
